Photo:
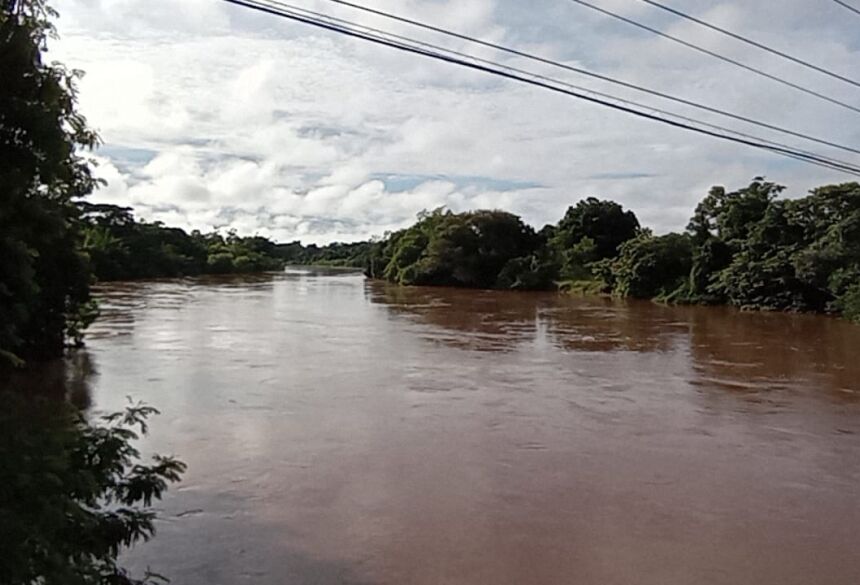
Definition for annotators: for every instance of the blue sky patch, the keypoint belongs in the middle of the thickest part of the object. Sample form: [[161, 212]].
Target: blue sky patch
[[125, 157], [397, 183], [620, 176]]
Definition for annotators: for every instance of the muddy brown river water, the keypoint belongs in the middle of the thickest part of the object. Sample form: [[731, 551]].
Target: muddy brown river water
[[340, 431]]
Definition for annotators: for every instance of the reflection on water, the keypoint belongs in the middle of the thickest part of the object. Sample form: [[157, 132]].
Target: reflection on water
[[468, 319], [64, 379], [759, 352], [342, 431]]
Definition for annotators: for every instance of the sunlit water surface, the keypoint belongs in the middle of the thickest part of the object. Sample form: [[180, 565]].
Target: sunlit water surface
[[339, 431]]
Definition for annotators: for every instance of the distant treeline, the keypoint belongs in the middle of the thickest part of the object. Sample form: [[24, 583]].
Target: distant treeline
[[119, 247], [354, 255], [745, 248]]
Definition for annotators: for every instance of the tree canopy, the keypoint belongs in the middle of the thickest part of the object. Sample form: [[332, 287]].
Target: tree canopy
[[44, 278], [747, 248], [122, 248], [590, 231], [456, 249]]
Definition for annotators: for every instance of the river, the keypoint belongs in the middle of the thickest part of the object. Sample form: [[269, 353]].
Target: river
[[341, 431]]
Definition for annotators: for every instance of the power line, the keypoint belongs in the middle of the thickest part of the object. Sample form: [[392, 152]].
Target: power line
[[756, 44], [716, 55], [269, 9], [594, 75], [370, 29], [848, 6], [814, 159]]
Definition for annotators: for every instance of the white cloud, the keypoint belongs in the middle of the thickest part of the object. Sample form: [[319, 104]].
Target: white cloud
[[214, 116]]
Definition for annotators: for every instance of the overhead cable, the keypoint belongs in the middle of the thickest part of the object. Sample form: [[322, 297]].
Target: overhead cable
[[752, 42], [377, 31], [848, 6], [606, 78], [284, 13], [716, 55]]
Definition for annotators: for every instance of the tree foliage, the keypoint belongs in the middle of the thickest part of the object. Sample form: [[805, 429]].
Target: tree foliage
[[73, 493], [799, 254], [353, 254], [591, 231], [122, 248], [649, 266], [746, 248], [471, 249], [44, 279]]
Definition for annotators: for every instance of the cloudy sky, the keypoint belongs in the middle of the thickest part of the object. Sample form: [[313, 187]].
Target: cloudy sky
[[213, 116]]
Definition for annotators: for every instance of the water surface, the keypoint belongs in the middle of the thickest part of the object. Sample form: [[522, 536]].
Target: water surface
[[339, 431]]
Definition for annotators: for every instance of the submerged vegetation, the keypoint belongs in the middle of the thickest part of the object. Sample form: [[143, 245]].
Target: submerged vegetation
[[746, 248]]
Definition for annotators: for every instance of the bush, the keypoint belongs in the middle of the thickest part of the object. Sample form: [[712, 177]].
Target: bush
[[849, 304], [459, 249], [649, 266], [220, 263], [73, 493]]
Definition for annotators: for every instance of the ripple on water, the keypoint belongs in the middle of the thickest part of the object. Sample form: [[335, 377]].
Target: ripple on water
[[342, 431]]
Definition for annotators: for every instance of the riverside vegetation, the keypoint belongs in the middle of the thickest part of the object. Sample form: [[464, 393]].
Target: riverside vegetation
[[73, 493], [73, 490], [746, 248]]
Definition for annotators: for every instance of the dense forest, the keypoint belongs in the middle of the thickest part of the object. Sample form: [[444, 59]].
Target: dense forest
[[119, 247], [354, 254], [747, 248]]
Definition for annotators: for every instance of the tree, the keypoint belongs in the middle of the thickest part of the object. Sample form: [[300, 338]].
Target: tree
[[761, 274], [745, 248], [44, 278], [589, 232], [730, 216], [801, 254], [652, 266], [455, 249], [73, 494], [122, 248], [830, 261]]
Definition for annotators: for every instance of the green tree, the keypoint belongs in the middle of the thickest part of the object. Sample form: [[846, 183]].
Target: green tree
[[730, 216], [589, 232], [761, 274], [720, 226], [455, 249], [122, 248], [44, 278], [830, 260], [849, 303], [73, 493], [652, 266], [801, 254]]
